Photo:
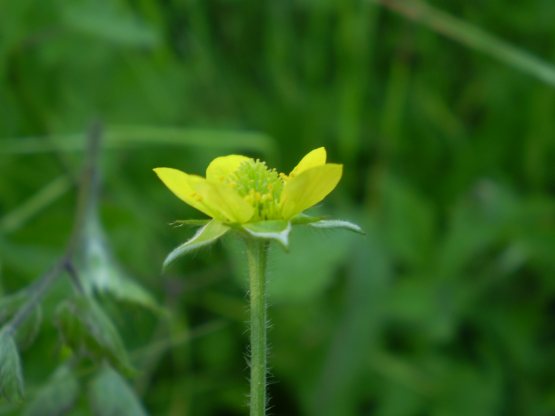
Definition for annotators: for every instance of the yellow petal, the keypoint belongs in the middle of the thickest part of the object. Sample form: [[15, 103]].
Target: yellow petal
[[316, 157], [225, 200], [309, 188], [222, 167], [183, 186]]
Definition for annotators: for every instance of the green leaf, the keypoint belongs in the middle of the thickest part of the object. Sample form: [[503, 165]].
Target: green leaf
[[11, 377], [85, 326], [101, 273], [10, 304], [203, 237], [57, 397], [110, 395], [277, 230], [125, 289], [30, 328], [346, 225]]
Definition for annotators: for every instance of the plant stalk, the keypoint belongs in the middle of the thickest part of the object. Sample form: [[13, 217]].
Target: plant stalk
[[257, 255], [88, 191]]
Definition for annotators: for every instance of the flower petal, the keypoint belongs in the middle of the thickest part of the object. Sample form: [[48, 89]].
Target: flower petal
[[316, 157], [222, 167], [183, 186], [309, 188], [225, 201]]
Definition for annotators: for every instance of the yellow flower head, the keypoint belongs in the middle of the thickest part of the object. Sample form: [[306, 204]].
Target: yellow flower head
[[240, 190]]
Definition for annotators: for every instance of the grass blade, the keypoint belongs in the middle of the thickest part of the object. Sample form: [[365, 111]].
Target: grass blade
[[473, 37]]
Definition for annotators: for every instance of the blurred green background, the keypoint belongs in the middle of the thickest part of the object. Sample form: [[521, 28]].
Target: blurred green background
[[446, 132]]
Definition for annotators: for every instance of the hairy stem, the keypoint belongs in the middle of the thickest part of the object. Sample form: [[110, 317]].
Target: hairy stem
[[257, 253]]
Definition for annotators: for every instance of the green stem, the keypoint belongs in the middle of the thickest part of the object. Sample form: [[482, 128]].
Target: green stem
[[88, 192], [257, 253]]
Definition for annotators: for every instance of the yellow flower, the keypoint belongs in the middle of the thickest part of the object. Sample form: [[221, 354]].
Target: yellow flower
[[241, 190], [244, 194]]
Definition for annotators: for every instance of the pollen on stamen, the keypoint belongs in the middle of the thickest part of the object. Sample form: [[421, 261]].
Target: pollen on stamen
[[260, 186]]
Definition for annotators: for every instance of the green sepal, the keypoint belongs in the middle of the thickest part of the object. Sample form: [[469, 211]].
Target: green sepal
[[11, 377], [203, 237], [277, 230], [303, 219], [346, 225], [189, 223]]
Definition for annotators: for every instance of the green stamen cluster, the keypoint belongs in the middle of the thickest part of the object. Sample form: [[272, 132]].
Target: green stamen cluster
[[260, 186]]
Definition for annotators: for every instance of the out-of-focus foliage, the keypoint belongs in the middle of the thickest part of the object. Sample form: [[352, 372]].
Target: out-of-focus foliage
[[444, 308], [11, 380], [110, 395], [57, 396]]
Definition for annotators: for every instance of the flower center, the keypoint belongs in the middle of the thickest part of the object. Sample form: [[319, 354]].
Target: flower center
[[259, 186]]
